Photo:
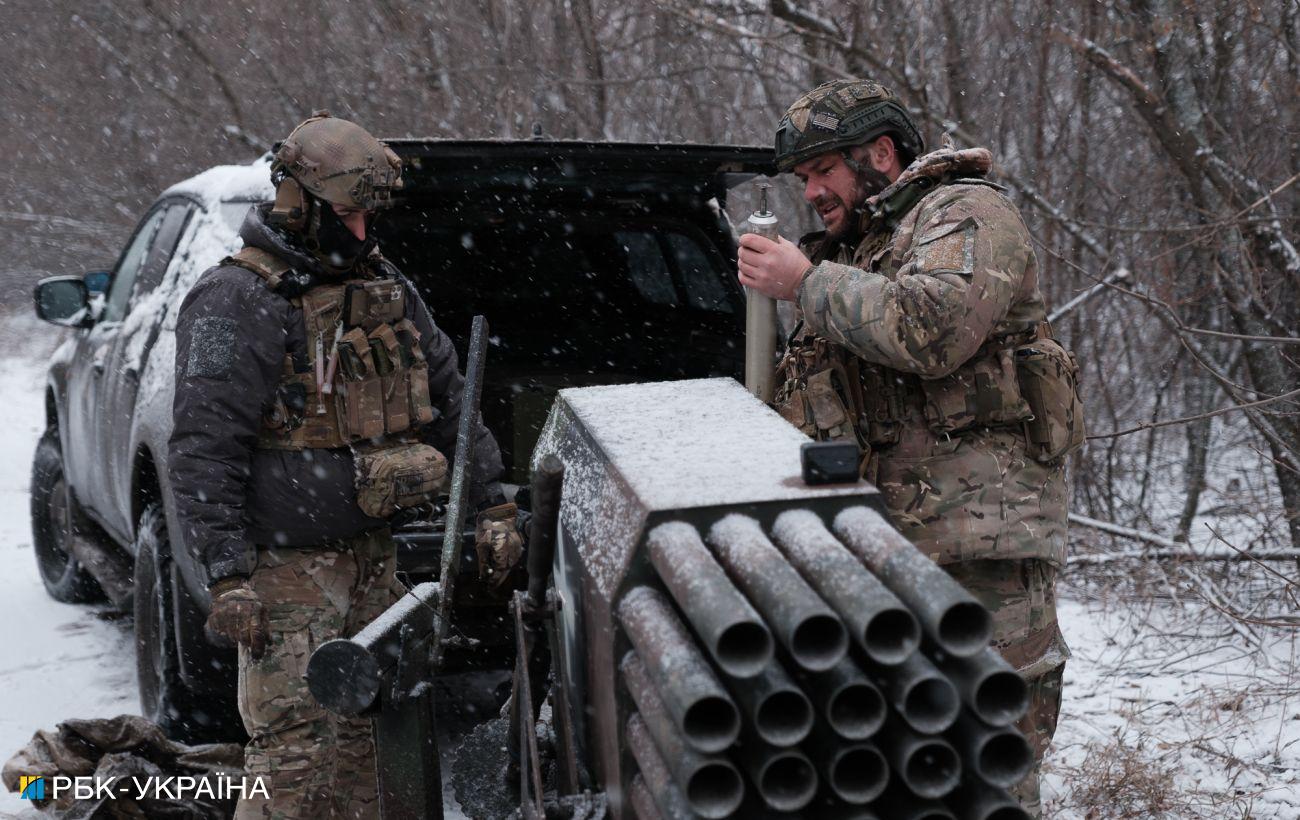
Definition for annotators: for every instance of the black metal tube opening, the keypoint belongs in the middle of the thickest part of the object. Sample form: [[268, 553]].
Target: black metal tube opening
[[859, 775], [788, 782], [819, 642], [744, 649], [892, 636], [1005, 759], [715, 790], [856, 711], [1001, 698], [931, 705], [711, 723], [965, 628], [932, 770], [784, 718]]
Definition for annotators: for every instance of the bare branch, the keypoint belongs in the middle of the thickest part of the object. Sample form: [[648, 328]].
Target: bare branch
[[1185, 419]]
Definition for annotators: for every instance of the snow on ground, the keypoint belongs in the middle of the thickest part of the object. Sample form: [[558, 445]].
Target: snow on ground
[[1173, 710], [59, 660]]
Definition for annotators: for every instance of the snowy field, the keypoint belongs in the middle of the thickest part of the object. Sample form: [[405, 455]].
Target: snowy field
[[1168, 716], [59, 660], [1171, 709]]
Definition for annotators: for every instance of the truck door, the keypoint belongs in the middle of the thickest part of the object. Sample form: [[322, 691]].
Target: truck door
[[82, 448], [141, 319]]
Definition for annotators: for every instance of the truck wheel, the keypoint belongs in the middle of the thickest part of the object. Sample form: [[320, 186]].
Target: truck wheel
[[165, 698], [54, 517]]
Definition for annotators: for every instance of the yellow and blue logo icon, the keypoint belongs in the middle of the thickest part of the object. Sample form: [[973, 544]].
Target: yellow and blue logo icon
[[31, 787]]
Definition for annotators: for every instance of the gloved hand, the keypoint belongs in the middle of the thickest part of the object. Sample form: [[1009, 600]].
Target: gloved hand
[[498, 544], [237, 616]]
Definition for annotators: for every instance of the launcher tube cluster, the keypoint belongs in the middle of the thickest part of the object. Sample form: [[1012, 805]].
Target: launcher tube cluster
[[806, 665]]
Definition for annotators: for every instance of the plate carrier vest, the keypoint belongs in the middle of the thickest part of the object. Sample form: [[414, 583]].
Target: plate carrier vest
[[365, 376]]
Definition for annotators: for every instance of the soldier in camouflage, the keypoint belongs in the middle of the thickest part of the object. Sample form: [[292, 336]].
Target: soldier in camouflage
[[921, 333], [315, 399]]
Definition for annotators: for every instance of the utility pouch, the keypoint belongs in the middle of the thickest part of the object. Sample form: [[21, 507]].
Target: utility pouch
[[830, 414], [395, 378], [421, 404], [1049, 380], [882, 406], [792, 404], [382, 301], [395, 478], [354, 306], [406, 345], [408, 337], [350, 364], [984, 392], [285, 412], [360, 394], [291, 403], [379, 355]]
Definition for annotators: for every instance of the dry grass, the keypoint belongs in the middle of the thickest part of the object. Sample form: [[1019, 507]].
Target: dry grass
[[1130, 778], [1121, 780], [1183, 697]]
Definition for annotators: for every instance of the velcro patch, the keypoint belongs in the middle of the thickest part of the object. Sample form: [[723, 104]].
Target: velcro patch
[[824, 120], [212, 349], [950, 249]]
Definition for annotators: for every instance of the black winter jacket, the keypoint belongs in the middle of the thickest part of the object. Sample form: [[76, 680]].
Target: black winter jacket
[[231, 339]]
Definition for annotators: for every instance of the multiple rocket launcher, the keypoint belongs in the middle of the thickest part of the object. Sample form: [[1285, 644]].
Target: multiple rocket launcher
[[738, 642], [729, 640], [819, 662]]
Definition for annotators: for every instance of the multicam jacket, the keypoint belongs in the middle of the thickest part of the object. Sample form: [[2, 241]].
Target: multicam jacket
[[921, 322]]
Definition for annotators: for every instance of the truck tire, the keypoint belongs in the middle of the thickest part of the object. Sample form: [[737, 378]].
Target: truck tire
[[165, 698], [54, 524]]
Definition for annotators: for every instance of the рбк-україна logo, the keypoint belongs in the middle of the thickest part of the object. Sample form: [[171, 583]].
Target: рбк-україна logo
[[31, 787]]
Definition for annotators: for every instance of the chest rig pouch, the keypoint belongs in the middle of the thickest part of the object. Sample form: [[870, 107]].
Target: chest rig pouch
[[983, 392], [1049, 381], [820, 389], [1027, 380], [363, 383]]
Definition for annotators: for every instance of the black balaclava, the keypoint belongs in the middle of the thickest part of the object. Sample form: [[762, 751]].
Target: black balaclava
[[334, 245]]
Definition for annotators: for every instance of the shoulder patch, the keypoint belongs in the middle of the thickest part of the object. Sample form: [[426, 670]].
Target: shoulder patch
[[212, 348]]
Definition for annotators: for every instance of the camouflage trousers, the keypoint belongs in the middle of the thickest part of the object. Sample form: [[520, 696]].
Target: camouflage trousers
[[995, 519], [1022, 597], [316, 763]]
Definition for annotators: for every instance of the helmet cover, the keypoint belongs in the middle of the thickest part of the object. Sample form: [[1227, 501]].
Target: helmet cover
[[339, 162], [841, 114]]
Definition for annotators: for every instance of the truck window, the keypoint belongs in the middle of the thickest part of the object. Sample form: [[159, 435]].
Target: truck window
[[699, 276], [119, 291], [160, 250], [646, 267]]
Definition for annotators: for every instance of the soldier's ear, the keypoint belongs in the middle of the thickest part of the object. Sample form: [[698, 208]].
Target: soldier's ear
[[884, 157], [883, 153]]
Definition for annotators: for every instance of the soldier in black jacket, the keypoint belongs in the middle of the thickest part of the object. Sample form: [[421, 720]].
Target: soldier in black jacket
[[315, 400]]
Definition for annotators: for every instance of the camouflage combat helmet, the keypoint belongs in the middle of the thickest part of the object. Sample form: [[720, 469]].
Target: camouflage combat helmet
[[839, 115], [339, 162]]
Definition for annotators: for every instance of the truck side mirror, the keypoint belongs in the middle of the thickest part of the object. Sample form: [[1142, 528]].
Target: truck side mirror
[[64, 300]]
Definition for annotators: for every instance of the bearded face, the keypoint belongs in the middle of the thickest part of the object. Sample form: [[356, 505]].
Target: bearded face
[[837, 191]]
